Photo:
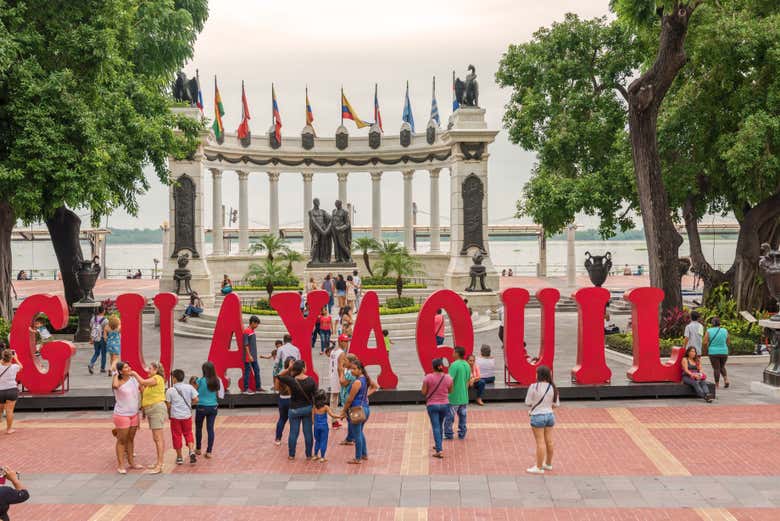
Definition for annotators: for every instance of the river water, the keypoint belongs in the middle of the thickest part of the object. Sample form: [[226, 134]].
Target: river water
[[520, 255]]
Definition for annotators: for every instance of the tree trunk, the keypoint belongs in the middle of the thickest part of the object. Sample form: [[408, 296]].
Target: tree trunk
[[399, 286], [7, 221], [64, 228], [645, 95], [367, 263], [710, 277]]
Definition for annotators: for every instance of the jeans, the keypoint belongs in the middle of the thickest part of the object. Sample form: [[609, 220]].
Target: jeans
[[100, 351], [324, 339], [298, 416], [314, 336], [700, 386], [330, 302], [439, 340], [355, 433], [350, 437], [542, 421], [460, 410], [480, 384], [208, 413], [193, 311], [254, 366], [284, 414], [437, 413], [320, 440]]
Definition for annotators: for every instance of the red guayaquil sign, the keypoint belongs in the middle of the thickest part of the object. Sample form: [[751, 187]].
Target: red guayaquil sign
[[226, 353]]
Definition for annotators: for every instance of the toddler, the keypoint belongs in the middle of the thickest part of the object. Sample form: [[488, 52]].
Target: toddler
[[320, 414]]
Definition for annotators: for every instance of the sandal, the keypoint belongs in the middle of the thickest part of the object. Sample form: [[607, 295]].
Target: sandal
[[438, 455], [354, 462], [157, 469], [136, 466], [122, 471], [347, 442]]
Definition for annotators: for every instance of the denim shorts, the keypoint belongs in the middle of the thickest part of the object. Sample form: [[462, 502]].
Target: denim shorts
[[543, 420]]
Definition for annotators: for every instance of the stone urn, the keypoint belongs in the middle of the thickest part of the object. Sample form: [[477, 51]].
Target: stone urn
[[87, 273], [598, 267], [769, 264]]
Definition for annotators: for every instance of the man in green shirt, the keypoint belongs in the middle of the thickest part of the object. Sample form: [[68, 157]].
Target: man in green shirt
[[459, 395]]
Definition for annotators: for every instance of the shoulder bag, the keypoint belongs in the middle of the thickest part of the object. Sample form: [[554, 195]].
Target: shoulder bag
[[428, 396], [357, 415]]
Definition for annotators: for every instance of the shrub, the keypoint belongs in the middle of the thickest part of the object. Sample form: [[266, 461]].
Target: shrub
[[251, 310], [381, 281], [264, 304], [5, 330], [623, 343], [399, 311], [411, 285], [276, 288], [673, 323], [399, 302]]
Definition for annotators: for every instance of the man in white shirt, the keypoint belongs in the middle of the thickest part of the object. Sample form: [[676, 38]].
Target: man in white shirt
[[180, 399], [694, 332], [501, 324], [336, 355], [287, 350], [358, 288]]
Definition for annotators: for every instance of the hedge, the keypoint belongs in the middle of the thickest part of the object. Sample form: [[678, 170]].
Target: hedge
[[410, 285], [402, 302], [262, 288], [251, 310], [622, 343]]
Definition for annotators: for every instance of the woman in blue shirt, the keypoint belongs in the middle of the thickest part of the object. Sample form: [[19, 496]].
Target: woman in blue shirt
[[359, 391], [209, 388], [716, 342]]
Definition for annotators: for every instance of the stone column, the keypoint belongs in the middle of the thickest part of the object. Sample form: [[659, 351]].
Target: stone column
[[376, 205], [571, 258], [435, 227], [307, 203], [217, 224], [408, 227], [542, 271], [343, 187], [243, 213], [273, 206]]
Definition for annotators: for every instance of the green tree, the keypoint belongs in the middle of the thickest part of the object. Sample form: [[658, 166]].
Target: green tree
[[364, 245], [385, 250], [84, 109], [271, 244], [398, 261], [289, 256], [266, 274]]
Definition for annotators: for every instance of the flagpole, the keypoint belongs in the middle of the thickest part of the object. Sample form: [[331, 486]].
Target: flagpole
[[273, 121], [453, 88], [341, 105], [306, 107]]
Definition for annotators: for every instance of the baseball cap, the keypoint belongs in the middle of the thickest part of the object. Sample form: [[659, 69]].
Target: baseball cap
[[343, 338]]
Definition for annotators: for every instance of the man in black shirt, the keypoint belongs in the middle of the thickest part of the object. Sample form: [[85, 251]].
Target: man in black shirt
[[11, 496]]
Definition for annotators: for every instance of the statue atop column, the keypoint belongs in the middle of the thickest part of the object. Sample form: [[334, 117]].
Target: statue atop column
[[342, 234], [320, 231], [467, 92]]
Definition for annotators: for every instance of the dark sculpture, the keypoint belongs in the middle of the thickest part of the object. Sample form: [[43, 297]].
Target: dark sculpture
[[185, 90], [473, 193], [430, 133], [87, 273], [307, 138], [472, 150], [406, 135], [467, 92], [320, 231], [598, 267], [183, 274], [272, 141], [342, 138], [184, 225], [374, 137], [64, 229], [477, 272], [769, 264], [342, 235]]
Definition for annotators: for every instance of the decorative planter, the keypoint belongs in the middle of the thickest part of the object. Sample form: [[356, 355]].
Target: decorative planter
[[87, 276], [598, 267]]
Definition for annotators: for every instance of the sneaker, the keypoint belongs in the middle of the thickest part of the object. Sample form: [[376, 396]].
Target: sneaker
[[277, 442], [248, 392], [534, 470], [546, 467], [102, 370], [193, 458], [91, 369], [179, 460], [336, 425]]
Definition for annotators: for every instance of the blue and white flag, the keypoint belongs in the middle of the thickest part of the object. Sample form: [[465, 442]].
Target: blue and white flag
[[407, 115], [434, 105]]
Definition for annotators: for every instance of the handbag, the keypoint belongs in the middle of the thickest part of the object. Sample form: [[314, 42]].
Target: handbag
[[357, 415]]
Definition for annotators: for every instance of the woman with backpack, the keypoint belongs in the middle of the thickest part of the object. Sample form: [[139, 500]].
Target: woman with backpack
[[542, 397]]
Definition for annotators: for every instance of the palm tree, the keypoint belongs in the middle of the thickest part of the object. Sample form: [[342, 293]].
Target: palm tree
[[289, 255], [365, 244], [387, 249], [400, 263], [269, 243], [266, 274]]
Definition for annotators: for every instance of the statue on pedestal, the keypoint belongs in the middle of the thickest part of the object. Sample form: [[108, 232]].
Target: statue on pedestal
[[477, 273], [320, 231], [342, 234], [182, 275]]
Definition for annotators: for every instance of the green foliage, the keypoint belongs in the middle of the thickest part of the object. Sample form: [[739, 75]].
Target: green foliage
[[289, 256], [399, 311], [5, 328], [565, 107], [407, 285], [719, 304], [251, 310], [267, 273], [271, 244], [399, 302], [622, 343], [364, 244], [263, 303], [277, 287], [83, 101], [394, 259]]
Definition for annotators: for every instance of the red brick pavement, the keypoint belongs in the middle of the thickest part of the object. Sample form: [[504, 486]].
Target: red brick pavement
[[36, 512], [220, 513], [712, 414], [561, 514]]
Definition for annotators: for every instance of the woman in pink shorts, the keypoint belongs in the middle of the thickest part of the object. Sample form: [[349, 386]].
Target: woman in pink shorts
[[127, 397]]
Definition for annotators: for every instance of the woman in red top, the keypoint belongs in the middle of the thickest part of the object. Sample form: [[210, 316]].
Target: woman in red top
[[325, 322]]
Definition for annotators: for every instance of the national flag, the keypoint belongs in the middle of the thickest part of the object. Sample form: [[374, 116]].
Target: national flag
[[434, 105], [347, 112], [377, 114], [309, 113], [407, 115], [455, 104], [243, 128], [276, 116], [219, 111], [199, 101]]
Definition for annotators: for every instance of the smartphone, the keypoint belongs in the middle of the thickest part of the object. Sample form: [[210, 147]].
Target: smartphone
[[2, 476]]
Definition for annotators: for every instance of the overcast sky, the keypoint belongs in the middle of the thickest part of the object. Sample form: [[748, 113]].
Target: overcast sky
[[324, 45]]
